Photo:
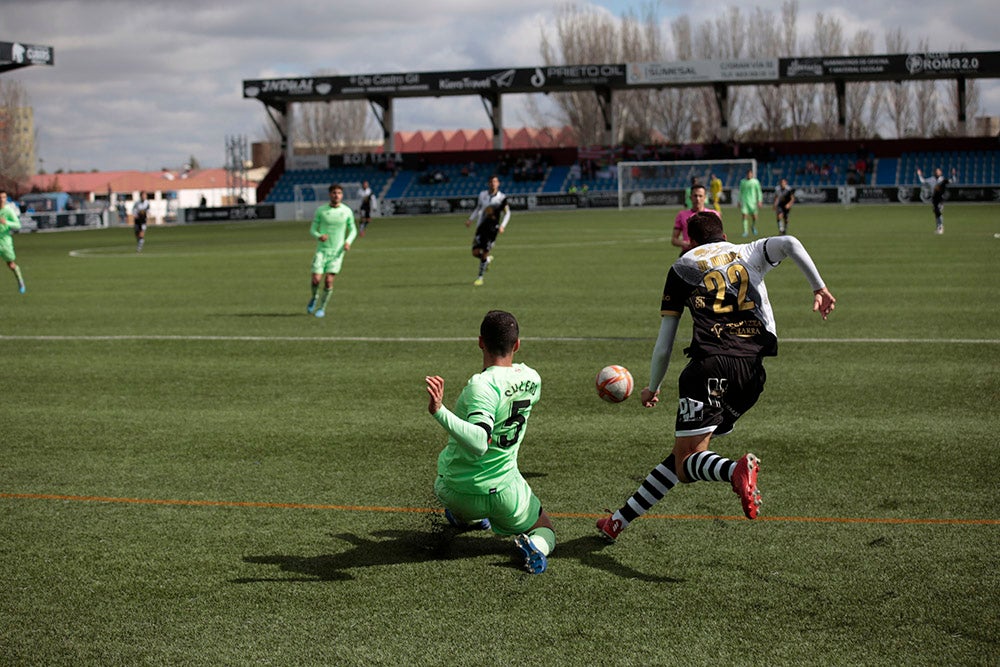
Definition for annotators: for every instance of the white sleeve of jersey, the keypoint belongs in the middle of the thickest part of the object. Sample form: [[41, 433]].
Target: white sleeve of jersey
[[777, 248], [480, 206], [506, 217]]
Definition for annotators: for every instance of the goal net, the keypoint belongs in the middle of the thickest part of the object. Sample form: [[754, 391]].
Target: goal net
[[310, 196], [662, 183]]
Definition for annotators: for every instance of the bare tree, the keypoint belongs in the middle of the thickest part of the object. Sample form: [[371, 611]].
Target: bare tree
[[725, 38], [582, 36], [952, 104], [334, 127], [640, 41], [800, 99], [17, 136], [925, 101], [898, 95], [327, 127], [829, 40], [269, 144], [766, 40], [673, 111], [802, 111], [863, 98]]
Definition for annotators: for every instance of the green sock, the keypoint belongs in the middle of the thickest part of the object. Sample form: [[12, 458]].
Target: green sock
[[544, 539], [746, 226], [17, 272], [315, 290], [325, 299]]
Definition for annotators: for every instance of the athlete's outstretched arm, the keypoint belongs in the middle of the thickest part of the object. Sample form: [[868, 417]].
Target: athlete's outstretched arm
[[778, 248], [505, 219], [660, 360], [473, 438]]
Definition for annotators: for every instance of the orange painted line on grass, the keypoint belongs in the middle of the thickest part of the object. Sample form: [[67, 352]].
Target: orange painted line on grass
[[426, 510], [211, 503]]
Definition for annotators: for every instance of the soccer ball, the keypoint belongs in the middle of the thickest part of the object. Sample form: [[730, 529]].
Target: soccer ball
[[614, 384]]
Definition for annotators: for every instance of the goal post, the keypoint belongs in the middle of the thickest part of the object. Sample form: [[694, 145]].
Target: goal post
[[310, 196], [659, 182]]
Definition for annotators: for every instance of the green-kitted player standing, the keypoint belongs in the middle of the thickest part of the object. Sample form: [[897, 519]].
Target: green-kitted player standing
[[751, 197], [478, 480], [9, 222], [334, 229]]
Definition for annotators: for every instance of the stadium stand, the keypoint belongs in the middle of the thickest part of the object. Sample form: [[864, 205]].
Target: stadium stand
[[816, 169], [823, 168], [284, 188], [978, 167]]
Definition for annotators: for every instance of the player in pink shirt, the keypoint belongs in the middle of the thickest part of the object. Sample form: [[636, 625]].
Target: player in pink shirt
[[680, 237]]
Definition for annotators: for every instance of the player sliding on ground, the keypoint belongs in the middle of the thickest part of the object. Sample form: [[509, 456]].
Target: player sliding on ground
[[478, 481], [722, 284]]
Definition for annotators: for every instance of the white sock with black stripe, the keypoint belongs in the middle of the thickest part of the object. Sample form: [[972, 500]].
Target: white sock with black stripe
[[656, 485], [708, 466]]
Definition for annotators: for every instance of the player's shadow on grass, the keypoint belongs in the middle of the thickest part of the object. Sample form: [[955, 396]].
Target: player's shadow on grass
[[590, 551], [302, 314], [384, 547], [393, 547]]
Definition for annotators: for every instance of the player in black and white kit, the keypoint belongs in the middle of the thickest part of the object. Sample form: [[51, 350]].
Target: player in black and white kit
[[939, 187], [491, 215], [365, 210], [722, 284], [140, 217], [784, 197]]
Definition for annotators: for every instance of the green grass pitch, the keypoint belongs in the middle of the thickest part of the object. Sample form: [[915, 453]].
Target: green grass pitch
[[196, 472]]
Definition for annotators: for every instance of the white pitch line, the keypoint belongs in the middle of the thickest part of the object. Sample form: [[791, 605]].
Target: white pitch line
[[117, 252], [442, 339]]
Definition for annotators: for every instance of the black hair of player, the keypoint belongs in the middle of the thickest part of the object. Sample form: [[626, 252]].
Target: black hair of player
[[499, 332], [705, 227], [698, 186], [335, 186]]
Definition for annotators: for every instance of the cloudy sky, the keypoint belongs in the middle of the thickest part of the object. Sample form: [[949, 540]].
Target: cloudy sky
[[145, 85]]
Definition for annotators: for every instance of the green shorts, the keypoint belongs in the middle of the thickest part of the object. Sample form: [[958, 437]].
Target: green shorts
[[748, 210], [7, 250], [511, 510], [327, 261]]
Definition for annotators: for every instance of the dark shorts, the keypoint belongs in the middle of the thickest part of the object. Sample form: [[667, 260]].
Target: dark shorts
[[715, 391], [938, 207], [140, 226], [486, 237], [366, 209], [783, 212]]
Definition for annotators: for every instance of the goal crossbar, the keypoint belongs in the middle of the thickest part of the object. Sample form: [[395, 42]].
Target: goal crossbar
[[649, 182], [309, 196]]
